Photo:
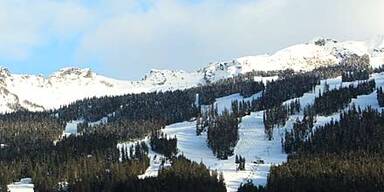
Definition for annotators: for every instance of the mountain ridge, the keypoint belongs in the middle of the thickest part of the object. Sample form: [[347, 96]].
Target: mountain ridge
[[36, 92]]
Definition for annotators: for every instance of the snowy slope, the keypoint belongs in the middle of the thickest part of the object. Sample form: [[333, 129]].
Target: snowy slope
[[37, 93], [24, 185], [301, 57], [253, 144]]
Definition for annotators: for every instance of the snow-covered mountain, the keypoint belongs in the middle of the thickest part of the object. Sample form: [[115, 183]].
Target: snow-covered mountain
[[301, 57], [36, 92]]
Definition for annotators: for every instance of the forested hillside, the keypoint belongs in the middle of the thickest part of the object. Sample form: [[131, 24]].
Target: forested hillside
[[344, 154], [33, 144]]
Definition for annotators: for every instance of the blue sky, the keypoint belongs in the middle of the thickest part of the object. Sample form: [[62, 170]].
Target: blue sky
[[126, 38]]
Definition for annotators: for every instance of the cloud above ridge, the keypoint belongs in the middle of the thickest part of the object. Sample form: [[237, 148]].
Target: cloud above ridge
[[127, 38]]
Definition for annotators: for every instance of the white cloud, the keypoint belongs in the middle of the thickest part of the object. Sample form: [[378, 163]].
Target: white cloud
[[68, 18], [27, 24], [173, 34], [128, 37]]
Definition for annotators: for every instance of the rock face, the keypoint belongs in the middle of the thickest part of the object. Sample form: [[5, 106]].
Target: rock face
[[36, 93]]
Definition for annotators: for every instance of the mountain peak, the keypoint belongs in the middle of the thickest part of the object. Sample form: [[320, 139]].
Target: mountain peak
[[322, 41], [71, 83], [156, 74], [4, 72], [73, 72]]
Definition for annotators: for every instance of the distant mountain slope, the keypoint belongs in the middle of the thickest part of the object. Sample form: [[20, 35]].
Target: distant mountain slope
[[36, 93], [305, 57]]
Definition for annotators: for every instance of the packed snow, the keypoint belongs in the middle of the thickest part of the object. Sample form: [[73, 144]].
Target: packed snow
[[71, 127], [24, 185]]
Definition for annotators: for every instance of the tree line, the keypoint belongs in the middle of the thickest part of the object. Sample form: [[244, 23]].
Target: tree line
[[222, 134], [183, 175], [331, 101], [350, 76], [380, 96], [162, 144], [344, 155], [277, 116]]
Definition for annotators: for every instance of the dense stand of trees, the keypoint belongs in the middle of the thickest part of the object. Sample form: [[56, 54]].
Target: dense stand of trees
[[329, 71], [121, 131], [207, 117], [378, 69], [76, 161], [301, 130], [356, 171], [222, 131], [32, 146], [161, 143], [244, 84], [277, 116], [135, 151], [250, 187], [222, 134], [276, 92], [183, 175], [355, 75], [356, 130], [340, 156], [104, 176], [25, 134], [380, 96], [242, 108], [167, 107], [287, 88], [240, 161], [348, 63], [334, 100]]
